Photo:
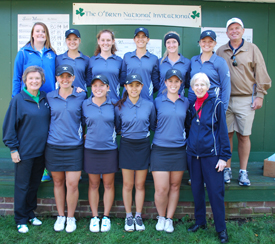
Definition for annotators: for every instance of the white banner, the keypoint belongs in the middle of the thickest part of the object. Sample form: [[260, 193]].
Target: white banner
[[56, 23], [136, 14]]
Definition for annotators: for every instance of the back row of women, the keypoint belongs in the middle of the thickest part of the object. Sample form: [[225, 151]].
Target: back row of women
[[105, 114]]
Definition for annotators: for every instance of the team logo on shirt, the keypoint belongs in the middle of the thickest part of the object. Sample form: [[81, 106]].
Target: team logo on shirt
[[47, 105], [49, 56]]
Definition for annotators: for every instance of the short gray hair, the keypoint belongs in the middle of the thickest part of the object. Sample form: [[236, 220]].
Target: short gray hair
[[34, 68], [200, 76]]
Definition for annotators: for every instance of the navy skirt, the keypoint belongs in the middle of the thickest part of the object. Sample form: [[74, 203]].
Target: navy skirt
[[64, 158], [168, 158], [100, 161], [134, 154]]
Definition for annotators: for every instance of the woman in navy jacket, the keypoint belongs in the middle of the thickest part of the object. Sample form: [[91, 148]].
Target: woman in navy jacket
[[208, 149], [172, 59], [106, 62], [25, 131], [38, 51]]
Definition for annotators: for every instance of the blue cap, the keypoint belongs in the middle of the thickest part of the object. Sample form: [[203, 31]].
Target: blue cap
[[142, 29], [173, 72], [209, 33], [64, 68], [102, 78], [133, 77], [72, 31]]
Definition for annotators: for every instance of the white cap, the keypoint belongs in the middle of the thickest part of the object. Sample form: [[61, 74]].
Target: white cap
[[234, 20]]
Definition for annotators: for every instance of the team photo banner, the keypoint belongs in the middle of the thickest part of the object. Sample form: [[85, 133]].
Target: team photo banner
[[136, 14]]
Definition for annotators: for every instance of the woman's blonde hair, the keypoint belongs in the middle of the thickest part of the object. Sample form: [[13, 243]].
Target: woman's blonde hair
[[166, 51], [98, 49]]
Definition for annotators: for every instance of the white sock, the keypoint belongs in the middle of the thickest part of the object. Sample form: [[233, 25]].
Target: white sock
[[242, 170]]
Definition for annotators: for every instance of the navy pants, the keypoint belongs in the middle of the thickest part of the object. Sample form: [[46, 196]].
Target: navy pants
[[28, 175], [202, 170]]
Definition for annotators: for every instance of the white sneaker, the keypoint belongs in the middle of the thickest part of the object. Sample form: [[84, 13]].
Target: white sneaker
[[71, 225], [94, 224], [105, 224], [168, 227], [139, 224], [35, 221], [22, 228], [160, 224], [129, 224], [59, 224]]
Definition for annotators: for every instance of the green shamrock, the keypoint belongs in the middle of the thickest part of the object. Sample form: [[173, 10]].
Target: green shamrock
[[80, 11], [195, 14]]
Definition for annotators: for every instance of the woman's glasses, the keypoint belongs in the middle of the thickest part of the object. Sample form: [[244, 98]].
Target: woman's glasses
[[234, 60]]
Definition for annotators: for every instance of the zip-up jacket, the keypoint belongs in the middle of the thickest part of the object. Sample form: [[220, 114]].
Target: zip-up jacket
[[26, 125], [208, 135], [26, 57]]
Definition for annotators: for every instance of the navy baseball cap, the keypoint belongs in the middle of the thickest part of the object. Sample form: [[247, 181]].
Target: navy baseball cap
[[209, 33], [133, 77], [173, 72], [72, 31], [142, 29], [102, 78], [64, 68]]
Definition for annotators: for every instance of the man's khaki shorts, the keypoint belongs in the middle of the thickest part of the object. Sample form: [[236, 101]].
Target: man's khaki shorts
[[240, 115]]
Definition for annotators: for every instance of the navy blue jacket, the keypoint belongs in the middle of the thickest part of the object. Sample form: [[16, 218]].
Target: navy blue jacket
[[26, 125], [208, 136]]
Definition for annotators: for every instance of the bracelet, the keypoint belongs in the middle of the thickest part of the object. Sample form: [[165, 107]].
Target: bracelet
[[13, 151]]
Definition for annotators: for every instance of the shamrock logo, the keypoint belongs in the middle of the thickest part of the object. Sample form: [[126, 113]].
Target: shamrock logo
[[195, 14], [80, 12]]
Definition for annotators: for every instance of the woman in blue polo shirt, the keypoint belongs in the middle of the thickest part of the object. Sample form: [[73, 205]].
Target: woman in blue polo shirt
[[106, 62], [38, 51], [64, 149], [213, 66], [25, 131], [168, 156], [172, 59], [135, 116], [100, 151], [142, 62], [75, 58]]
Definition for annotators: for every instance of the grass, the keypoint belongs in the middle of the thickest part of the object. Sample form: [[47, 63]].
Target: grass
[[255, 230]]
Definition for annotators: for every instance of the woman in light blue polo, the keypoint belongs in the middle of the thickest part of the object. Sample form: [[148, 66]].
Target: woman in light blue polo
[[142, 62], [75, 58], [135, 116], [172, 59], [213, 66], [100, 151], [168, 156], [106, 62], [64, 149]]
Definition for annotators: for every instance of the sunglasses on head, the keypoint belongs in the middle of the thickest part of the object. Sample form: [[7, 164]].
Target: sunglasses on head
[[234, 61]]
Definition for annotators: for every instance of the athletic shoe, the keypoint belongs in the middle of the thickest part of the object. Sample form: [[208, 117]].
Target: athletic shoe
[[168, 227], [59, 224], [46, 176], [243, 179], [227, 175], [94, 224], [160, 224], [105, 224], [71, 226], [139, 224], [35, 221], [129, 224], [22, 228]]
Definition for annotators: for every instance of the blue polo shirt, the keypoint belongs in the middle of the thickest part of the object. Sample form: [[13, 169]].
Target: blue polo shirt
[[135, 120], [66, 118], [80, 66], [218, 73], [100, 122], [183, 65], [170, 130], [111, 68], [147, 67]]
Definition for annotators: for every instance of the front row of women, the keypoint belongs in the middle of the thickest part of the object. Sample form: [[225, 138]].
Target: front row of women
[[34, 122]]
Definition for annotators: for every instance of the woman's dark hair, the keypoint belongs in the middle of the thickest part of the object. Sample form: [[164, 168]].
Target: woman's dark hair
[[122, 100], [98, 49]]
